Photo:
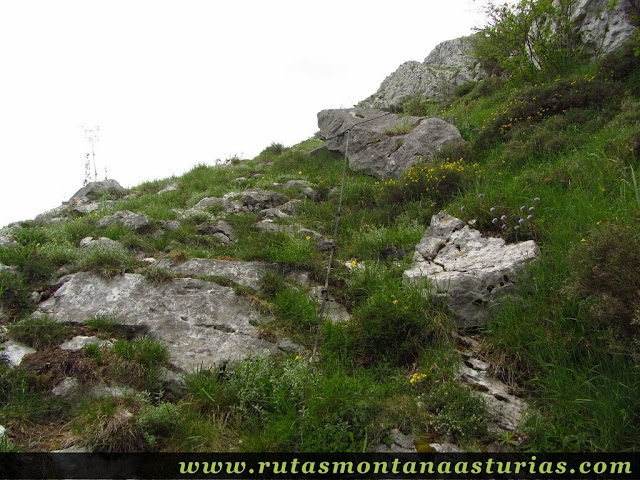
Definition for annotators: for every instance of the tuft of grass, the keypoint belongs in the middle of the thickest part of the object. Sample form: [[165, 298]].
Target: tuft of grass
[[40, 332], [106, 262]]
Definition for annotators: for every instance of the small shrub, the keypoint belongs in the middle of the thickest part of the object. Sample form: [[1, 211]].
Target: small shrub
[[273, 150], [439, 181], [606, 267], [40, 332], [459, 414], [157, 421], [464, 89], [15, 293]]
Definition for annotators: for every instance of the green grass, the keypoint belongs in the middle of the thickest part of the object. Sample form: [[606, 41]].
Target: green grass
[[39, 332], [566, 147]]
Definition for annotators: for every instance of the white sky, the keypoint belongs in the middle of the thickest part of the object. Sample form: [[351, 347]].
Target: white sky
[[177, 83]]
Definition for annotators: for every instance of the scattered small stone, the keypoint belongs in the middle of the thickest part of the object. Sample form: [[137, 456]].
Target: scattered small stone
[[287, 345], [102, 242], [14, 352], [81, 341], [169, 188], [67, 388]]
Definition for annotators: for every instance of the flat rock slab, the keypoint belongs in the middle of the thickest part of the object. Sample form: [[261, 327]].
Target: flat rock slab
[[200, 322], [248, 274], [474, 274]]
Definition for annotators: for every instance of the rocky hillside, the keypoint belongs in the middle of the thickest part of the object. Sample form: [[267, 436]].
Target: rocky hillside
[[604, 27], [479, 291]]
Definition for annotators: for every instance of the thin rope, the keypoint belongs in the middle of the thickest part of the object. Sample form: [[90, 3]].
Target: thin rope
[[356, 124], [325, 288]]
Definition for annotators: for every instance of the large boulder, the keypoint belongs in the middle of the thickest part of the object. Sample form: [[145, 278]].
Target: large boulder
[[451, 63], [201, 323], [471, 272], [386, 145], [106, 189]]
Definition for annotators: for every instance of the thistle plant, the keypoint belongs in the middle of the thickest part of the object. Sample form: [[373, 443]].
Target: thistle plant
[[507, 221]]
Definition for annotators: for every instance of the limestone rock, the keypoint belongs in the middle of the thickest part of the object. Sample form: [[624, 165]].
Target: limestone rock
[[323, 244], [169, 188], [296, 183], [55, 215], [66, 388], [310, 193], [472, 273], [13, 352], [81, 341], [604, 27], [400, 443], [135, 221], [451, 63], [102, 242], [248, 274], [7, 241], [210, 202], [170, 225], [505, 409], [84, 205], [335, 312], [109, 189], [283, 211], [387, 146], [221, 230], [201, 323], [256, 200], [268, 225]]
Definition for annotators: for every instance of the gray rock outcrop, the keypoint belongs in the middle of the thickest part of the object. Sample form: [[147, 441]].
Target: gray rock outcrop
[[201, 323], [385, 147], [604, 25], [248, 274], [7, 241], [96, 190], [451, 63], [135, 221], [472, 273]]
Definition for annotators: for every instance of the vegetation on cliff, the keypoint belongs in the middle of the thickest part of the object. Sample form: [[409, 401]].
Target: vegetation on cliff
[[571, 345]]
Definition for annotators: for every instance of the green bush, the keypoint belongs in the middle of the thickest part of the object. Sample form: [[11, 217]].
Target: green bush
[[15, 293], [529, 38], [606, 267]]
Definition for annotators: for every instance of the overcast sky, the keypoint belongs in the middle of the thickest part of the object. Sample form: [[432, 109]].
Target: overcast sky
[[177, 83]]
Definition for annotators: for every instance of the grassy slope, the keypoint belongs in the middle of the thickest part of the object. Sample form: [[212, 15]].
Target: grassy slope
[[571, 344]]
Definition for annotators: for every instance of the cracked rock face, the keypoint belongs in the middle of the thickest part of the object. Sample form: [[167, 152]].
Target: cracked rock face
[[472, 273], [200, 322], [450, 63], [388, 146], [248, 274]]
